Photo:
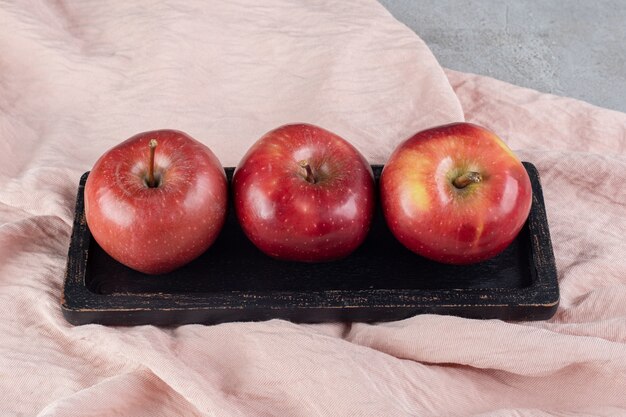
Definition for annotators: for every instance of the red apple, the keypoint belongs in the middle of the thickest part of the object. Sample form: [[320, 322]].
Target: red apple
[[302, 193], [455, 194], [156, 224]]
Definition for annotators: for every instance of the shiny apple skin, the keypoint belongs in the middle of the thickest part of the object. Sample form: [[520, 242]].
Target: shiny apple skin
[[435, 219], [156, 230], [289, 218]]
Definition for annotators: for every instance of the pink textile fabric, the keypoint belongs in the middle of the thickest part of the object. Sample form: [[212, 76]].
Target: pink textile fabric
[[77, 78]]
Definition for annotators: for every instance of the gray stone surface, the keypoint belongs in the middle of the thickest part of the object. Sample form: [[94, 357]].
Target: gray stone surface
[[575, 48]]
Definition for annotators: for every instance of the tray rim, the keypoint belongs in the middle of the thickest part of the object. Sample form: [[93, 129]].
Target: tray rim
[[79, 304]]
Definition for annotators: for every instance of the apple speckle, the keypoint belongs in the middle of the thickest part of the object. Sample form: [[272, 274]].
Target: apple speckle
[[305, 224]]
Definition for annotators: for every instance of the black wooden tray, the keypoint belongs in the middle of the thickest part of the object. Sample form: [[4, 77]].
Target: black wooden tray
[[381, 281]]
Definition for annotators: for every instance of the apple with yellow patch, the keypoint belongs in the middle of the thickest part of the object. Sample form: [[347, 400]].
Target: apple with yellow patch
[[455, 194]]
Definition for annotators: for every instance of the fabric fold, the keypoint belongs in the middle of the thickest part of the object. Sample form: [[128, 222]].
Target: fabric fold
[[78, 78]]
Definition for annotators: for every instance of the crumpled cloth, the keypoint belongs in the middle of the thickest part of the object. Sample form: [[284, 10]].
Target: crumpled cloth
[[77, 78]]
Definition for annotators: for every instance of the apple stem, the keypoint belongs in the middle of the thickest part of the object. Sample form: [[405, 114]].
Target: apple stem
[[153, 144], [466, 179], [308, 176]]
